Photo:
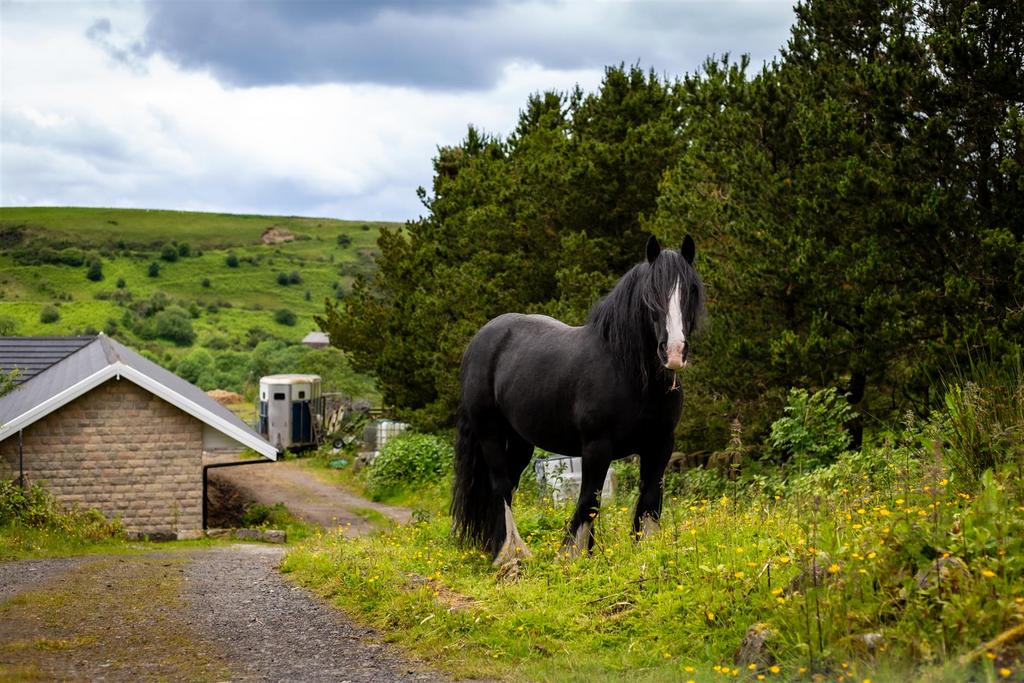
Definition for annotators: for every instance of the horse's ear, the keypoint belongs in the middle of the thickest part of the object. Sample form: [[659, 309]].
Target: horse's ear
[[653, 249], [688, 250]]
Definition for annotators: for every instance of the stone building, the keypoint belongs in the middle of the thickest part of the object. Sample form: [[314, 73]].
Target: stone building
[[102, 427]]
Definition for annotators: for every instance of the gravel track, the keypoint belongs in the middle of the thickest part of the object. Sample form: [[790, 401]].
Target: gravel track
[[213, 614], [19, 577], [307, 496], [277, 631], [223, 613]]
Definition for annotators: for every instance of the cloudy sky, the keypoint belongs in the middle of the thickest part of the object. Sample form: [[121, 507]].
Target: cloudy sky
[[309, 107]]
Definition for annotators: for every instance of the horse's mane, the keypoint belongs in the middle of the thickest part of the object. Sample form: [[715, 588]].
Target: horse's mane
[[623, 320]]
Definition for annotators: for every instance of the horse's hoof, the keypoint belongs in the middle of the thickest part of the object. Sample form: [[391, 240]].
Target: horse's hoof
[[511, 553], [570, 551], [509, 571], [648, 527]]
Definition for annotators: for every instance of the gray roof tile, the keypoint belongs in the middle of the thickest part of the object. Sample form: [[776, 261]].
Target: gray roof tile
[[32, 355]]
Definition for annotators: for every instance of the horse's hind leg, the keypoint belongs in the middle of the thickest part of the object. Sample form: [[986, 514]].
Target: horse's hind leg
[[506, 456]]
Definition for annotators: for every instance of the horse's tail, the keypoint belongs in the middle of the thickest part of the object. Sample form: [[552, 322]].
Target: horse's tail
[[476, 509]]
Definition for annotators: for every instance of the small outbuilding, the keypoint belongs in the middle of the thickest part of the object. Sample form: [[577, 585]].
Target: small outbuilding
[[317, 340], [101, 426]]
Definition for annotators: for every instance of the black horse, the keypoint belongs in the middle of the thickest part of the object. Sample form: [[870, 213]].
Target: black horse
[[602, 391]]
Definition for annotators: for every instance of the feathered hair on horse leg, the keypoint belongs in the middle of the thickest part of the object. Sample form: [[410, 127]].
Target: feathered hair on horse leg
[[476, 509]]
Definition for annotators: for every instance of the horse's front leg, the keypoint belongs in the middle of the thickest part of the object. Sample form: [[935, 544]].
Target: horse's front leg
[[597, 456], [652, 478]]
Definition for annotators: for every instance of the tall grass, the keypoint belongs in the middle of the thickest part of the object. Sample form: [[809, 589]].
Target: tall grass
[[981, 424]]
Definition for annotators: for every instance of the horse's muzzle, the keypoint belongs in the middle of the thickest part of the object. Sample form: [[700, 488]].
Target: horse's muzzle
[[676, 354]]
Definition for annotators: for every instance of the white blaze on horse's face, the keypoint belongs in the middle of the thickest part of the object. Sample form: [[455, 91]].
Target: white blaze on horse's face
[[676, 345]]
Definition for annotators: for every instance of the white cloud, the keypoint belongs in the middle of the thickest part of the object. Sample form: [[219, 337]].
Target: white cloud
[[80, 127]]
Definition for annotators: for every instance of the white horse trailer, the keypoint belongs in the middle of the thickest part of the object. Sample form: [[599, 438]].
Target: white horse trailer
[[291, 410]]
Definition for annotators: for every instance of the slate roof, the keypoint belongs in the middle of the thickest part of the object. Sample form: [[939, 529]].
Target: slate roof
[[316, 337], [32, 355], [97, 360]]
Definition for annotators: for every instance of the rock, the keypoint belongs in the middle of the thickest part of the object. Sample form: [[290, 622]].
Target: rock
[[728, 463], [189, 534], [868, 642], [265, 535], [754, 648], [945, 573], [218, 533]]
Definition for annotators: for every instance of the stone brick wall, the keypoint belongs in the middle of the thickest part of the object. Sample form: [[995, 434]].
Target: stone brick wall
[[121, 450]]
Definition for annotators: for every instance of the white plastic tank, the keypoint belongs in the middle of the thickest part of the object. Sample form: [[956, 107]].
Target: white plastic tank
[[290, 408]]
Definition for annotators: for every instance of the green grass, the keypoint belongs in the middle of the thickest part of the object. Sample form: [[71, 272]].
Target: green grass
[[676, 606], [96, 227], [235, 300], [321, 261]]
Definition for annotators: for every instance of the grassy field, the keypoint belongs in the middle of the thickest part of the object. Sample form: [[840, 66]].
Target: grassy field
[[128, 241], [233, 286], [901, 562], [89, 227]]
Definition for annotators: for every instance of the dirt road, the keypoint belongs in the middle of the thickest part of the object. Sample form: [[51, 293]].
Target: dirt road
[[216, 614], [208, 615], [307, 496]]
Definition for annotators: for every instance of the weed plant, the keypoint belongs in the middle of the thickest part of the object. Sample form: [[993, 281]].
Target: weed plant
[[32, 523]]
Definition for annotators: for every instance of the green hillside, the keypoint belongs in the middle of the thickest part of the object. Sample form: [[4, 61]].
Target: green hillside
[[213, 270]]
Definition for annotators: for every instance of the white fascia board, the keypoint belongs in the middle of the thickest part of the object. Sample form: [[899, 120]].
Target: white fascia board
[[242, 436], [119, 370], [57, 401]]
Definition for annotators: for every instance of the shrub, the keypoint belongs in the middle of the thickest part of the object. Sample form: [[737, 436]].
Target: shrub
[[174, 324], [813, 431], [154, 269], [49, 314], [184, 250], [120, 283], [407, 460], [169, 253], [194, 365], [8, 326], [231, 260], [344, 241], [217, 343], [34, 507], [283, 316], [205, 283], [282, 279], [294, 278], [95, 272]]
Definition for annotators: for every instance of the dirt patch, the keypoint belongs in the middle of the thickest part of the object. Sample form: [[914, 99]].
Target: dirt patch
[[274, 235], [225, 503], [107, 619]]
